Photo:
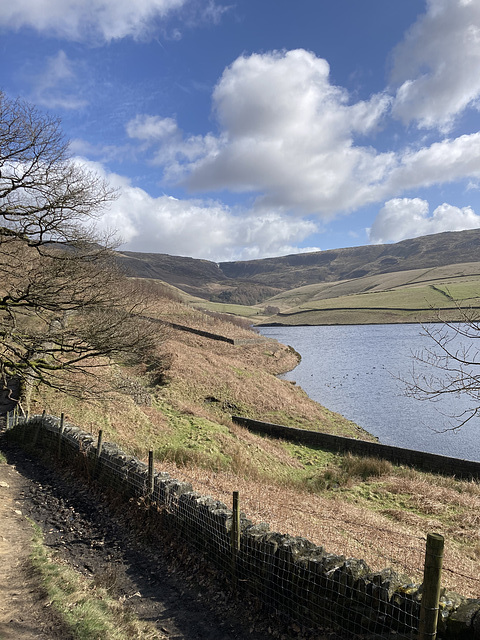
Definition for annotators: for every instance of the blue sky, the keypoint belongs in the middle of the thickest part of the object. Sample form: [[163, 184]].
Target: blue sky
[[247, 129]]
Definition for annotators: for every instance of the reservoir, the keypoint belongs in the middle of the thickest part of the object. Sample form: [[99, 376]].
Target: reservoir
[[360, 371]]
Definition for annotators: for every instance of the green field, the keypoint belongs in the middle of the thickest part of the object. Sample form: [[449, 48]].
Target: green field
[[408, 296], [233, 309], [417, 295]]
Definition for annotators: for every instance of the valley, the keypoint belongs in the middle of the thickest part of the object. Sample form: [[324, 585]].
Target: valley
[[421, 280]]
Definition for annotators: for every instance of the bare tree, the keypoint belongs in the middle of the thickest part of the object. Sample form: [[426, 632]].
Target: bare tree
[[44, 196], [450, 365], [64, 305]]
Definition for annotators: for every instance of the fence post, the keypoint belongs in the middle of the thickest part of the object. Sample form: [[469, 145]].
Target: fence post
[[35, 434], [60, 435], [98, 452], [7, 427], [431, 587], [235, 534], [99, 444], [150, 473], [23, 429]]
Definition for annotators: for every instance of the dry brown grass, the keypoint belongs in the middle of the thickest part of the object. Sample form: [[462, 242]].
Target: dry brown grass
[[242, 380], [392, 538], [356, 507]]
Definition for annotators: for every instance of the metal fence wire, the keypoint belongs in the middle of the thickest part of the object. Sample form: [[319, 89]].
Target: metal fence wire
[[290, 575]]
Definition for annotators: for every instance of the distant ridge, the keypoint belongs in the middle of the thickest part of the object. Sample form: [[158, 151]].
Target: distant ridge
[[253, 281]]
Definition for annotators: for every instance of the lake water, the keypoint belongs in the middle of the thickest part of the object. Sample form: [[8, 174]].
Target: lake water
[[357, 372]]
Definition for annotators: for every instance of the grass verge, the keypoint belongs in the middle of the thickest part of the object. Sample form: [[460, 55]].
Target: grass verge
[[88, 610]]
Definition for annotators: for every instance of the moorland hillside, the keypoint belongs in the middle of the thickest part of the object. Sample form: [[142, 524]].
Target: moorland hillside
[[410, 281], [359, 507]]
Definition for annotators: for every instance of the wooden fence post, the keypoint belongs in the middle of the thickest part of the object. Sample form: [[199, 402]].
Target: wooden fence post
[[98, 453], [60, 435], [99, 444], [35, 434], [235, 534], [150, 473], [431, 587]]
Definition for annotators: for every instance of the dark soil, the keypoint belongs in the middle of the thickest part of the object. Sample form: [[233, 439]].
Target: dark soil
[[168, 585]]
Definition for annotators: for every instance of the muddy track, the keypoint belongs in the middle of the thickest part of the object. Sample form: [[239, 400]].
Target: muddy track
[[168, 586]]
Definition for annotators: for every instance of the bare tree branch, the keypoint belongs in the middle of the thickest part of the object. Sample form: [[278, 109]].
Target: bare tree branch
[[64, 305], [450, 366]]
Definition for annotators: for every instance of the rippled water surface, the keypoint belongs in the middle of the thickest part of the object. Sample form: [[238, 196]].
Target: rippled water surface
[[358, 372]]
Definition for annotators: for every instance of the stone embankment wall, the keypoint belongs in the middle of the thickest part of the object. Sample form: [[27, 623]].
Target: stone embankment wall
[[211, 336], [288, 574], [418, 459]]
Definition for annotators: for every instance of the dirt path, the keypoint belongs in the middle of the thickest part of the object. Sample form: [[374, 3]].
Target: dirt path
[[177, 597], [24, 613]]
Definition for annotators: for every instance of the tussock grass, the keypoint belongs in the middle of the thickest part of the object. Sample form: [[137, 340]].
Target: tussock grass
[[365, 467]]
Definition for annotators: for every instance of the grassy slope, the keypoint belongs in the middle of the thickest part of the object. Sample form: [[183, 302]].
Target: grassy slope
[[409, 296], [404, 296], [208, 381], [357, 507]]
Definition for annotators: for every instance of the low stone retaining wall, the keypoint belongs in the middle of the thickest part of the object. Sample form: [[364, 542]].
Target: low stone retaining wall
[[288, 574], [211, 336], [419, 459]]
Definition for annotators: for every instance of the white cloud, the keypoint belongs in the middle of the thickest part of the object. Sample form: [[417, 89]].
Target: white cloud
[[172, 149], [197, 228], [442, 162], [87, 20], [436, 66], [151, 128], [291, 138], [56, 87], [285, 132], [403, 218]]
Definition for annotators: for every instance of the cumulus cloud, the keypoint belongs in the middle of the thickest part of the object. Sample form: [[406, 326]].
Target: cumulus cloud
[[102, 20], [199, 228], [402, 218], [286, 132], [291, 138], [436, 66], [440, 163], [289, 135]]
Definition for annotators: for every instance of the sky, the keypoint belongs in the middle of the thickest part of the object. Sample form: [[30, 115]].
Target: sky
[[244, 129]]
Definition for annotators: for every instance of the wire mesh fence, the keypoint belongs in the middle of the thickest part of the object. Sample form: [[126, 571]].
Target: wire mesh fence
[[289, 575]]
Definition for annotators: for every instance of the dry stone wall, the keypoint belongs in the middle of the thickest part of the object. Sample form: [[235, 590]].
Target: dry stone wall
[[419, 459], [288, 574]]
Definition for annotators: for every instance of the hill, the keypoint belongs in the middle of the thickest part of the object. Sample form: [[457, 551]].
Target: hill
[[417, 276], [359, 507]]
